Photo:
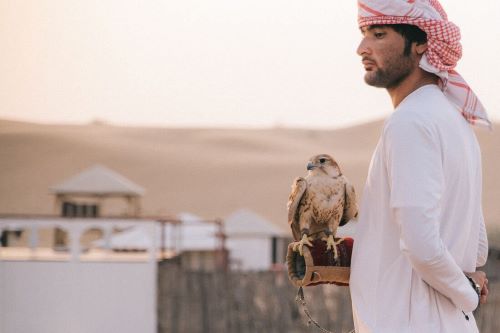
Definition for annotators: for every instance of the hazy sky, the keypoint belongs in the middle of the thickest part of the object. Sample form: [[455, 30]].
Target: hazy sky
[[209, 63]]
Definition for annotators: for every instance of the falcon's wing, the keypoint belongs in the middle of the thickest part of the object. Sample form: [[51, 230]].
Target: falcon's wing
[[350, 204], [298, 188]]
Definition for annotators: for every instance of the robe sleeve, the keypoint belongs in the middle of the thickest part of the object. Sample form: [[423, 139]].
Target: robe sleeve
[[414, 167], [482, 251]]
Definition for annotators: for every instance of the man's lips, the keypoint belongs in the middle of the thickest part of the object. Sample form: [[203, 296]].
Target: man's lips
[[368, 63]]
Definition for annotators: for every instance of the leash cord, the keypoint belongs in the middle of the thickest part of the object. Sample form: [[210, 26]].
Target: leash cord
[[301, 300]]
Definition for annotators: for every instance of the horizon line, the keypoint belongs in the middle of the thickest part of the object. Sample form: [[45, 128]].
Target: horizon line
[[106, 123]]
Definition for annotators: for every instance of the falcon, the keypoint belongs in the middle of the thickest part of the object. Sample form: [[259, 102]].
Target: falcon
[[320, 203]]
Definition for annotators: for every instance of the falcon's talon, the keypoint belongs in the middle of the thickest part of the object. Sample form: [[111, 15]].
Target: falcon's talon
[[332, 244], [298, 246]]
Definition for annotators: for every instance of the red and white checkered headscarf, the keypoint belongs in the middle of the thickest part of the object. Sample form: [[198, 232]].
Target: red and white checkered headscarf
[[444, 48]]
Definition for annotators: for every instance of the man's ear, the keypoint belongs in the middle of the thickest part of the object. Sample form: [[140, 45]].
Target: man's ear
[[420, 48]]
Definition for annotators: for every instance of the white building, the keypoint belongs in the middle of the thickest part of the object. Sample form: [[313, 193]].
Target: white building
[[86, 193], [253, 242], [46, 290]]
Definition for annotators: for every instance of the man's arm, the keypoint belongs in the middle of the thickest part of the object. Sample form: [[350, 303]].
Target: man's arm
[[482, 251], [414, 166]]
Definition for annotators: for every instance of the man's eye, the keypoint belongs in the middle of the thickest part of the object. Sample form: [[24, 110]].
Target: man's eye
[[379, 34]]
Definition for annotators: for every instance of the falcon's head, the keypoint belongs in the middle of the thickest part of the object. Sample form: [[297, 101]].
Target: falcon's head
[[323, 163]]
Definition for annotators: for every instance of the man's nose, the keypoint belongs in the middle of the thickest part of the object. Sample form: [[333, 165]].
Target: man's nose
[[363, 47]]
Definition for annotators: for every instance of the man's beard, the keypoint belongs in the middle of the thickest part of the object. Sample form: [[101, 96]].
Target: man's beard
[[397, 70]]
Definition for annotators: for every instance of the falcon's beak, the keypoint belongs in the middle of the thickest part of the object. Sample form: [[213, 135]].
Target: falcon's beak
[[310, 166]]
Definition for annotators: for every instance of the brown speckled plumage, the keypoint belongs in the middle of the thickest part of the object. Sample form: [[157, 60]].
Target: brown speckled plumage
[[322, 200]]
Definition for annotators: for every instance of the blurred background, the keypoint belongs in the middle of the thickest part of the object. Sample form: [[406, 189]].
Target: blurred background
[[147, 151]]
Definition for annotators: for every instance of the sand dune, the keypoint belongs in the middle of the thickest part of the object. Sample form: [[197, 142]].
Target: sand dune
[[210, 172]]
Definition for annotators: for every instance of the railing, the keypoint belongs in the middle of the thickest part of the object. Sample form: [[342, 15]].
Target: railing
[[75, 229]]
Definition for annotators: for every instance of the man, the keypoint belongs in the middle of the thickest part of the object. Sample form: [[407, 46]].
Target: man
[[421, 229]]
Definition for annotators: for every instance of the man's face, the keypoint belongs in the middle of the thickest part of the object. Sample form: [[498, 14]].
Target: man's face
[[382, 52]]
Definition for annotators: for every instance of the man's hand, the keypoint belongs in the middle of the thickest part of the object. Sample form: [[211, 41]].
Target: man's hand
[[480, 278]]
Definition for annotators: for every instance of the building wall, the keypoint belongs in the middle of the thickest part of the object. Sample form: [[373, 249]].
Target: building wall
[[61, 297], [101, 292], [249, 253]]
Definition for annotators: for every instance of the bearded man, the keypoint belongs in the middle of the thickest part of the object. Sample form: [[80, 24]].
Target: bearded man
[[421, 233]]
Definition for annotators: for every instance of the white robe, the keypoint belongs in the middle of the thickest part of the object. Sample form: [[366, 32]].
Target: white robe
[[420, 223]]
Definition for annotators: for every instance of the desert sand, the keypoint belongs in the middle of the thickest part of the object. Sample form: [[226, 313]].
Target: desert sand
[[208, 172]]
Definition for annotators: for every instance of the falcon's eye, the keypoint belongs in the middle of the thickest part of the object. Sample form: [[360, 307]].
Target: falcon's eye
[[322, 160]]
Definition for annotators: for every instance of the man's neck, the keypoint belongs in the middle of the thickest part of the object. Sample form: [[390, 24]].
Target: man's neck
[[415, 80]]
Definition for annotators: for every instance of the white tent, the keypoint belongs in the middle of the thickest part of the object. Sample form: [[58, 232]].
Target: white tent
[[197, 234], [245, 222], [254, 243], [192, 234]]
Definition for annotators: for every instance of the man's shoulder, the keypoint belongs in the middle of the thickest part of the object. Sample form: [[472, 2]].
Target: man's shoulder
[[409, 118], [426, 107]]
